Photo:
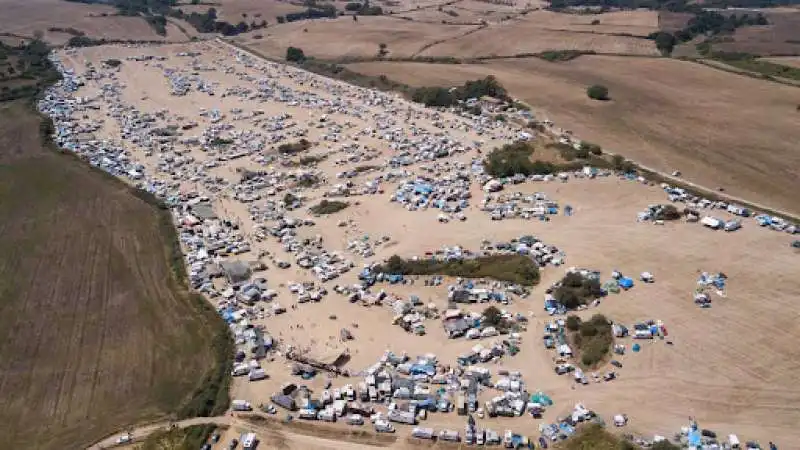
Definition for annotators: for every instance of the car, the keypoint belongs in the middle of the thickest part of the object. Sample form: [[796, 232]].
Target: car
[[234, 443], [616, 363], [215, 438], [124, 439]]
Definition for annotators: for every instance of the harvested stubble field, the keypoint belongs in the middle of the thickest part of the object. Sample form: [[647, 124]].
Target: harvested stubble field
[[635, 23], [342, 37], [537, 33], [718, 128], [24, 17], [94, 333]]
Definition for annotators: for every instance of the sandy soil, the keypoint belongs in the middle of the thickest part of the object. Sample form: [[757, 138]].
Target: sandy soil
[[719, 129], [342, 37], [732, 366]]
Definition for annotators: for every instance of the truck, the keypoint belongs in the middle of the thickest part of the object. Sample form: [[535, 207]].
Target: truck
[[449, 436], [257, 374], [239, 370], [423, 433], [406, 417], [326, 415], [307, 413], [382, 426], [241, 405]]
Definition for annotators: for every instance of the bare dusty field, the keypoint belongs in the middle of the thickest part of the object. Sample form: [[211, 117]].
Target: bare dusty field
[[635, 23], [719, 129], [537, 34], [24, 17], [342, 37], [719, 370], [94, 334]]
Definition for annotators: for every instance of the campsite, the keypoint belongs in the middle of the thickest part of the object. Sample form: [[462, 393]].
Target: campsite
[[397, 224], [286, 277]]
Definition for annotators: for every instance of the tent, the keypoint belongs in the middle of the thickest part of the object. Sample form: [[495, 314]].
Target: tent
[[541, 399]]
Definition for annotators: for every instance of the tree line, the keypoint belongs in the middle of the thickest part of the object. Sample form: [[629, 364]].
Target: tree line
[[670, 5]]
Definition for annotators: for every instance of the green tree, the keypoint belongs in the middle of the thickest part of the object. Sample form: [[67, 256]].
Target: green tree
[[665, 42], [597, 92], [492, 316], [573, 323], [294, 54]]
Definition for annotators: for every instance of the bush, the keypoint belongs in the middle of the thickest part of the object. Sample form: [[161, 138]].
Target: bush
[[573, 323], [294, 54], [294, 147], [512, 268], [492, 316], [328, 207], [667, 212], [597, 92], [576, 290], [592, 148], [593, 339]]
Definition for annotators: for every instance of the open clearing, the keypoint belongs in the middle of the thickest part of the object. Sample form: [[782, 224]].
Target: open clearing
[[93, 334], [719, 129], [342, 37], [721, 372]]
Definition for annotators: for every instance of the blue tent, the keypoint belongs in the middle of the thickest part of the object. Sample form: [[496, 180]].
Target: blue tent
[[394, 278], [636, 348], [694, 438], [422, 188], [426, 369], [625, 283]]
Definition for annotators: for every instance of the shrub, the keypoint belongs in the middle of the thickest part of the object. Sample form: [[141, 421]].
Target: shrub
[[512, 268], [573, 323], [328, 207], [294, 54], [294, 147], [492, 316], [595, 22], [593, 339], [592, 148], [667, 212], [597, 92], [576, 290]]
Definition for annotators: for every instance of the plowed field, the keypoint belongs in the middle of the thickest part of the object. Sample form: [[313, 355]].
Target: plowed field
[[94, 333]]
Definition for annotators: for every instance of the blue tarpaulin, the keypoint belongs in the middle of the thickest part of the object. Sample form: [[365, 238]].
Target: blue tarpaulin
[[626, 283]]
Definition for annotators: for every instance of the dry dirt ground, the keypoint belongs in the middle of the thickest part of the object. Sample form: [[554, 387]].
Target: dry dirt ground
[[92, 335], [719, 129], [733, 366], [24, 17], [342, 37], [543, 30]]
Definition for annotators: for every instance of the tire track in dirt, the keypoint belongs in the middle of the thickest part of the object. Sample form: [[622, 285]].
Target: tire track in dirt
[[442, 41]]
